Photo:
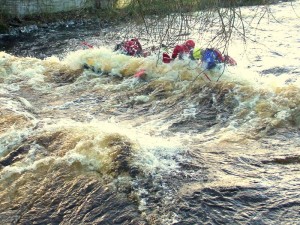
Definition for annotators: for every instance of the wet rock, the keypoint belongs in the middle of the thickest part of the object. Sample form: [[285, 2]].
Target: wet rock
[[15, 22]]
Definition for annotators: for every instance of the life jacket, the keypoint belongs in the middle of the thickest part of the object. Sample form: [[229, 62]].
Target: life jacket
[[179, 51], [131, 47], [196, 53], [211, 57]]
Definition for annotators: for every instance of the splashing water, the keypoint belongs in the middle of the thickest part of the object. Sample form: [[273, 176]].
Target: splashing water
[[103, 147]]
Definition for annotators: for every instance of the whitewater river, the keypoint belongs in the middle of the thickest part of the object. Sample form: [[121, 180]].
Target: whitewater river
[[101, 147]]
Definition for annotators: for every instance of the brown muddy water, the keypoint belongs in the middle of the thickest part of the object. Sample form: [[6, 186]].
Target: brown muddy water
[[102, 147]]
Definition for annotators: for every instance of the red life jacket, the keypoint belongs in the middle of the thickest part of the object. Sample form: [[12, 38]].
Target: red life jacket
[[133, 47], [179, 51]]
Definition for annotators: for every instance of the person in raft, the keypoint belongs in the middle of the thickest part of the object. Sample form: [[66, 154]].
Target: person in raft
[[131, 47], [180, 51], [209, 57]]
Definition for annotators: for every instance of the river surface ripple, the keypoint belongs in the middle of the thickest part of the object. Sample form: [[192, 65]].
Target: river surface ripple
[[101, 147]]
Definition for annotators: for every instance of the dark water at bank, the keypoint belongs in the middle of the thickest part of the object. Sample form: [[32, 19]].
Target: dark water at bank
[[79, 147]]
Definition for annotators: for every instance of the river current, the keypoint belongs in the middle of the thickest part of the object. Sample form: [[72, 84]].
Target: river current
[[81, 146]]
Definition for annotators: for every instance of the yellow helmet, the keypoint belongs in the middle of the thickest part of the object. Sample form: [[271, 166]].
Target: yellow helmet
[[197, 53]]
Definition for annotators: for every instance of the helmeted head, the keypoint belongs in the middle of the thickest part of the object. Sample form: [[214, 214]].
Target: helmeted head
[[197, 53], [190, 44], [129, 43]]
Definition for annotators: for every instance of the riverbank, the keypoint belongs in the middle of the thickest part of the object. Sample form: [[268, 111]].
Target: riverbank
[[134, 10], [9, 22]]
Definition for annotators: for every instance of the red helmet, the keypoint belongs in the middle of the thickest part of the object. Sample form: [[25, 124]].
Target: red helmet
[[190, 43]]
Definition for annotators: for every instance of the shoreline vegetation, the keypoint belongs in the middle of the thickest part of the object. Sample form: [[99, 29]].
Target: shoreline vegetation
[[136, 10]]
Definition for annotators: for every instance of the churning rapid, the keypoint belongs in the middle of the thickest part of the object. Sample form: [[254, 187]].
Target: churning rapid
[[81, 146]]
